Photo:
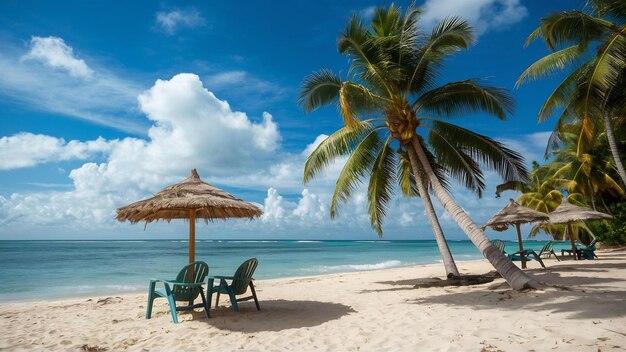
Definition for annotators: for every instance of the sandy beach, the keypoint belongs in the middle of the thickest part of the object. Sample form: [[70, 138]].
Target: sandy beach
[[582, 309]]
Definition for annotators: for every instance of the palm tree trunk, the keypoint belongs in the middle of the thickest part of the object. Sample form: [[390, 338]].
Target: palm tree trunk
[[608, 126], [513, 275], [444, 250]]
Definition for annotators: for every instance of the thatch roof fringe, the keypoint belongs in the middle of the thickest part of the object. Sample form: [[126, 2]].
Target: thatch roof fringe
[[192, 194], [514, 213]]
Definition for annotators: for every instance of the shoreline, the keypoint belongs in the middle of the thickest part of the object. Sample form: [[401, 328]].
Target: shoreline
[[582, 309], [277, 280]]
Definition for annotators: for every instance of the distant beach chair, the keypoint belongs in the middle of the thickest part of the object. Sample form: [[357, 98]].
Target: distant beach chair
[[530, 255], [183, 289], [500, 245], [548, 250], [586, 252], [239, 284]]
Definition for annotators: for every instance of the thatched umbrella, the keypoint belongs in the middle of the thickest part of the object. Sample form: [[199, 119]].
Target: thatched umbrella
[[190, 199], [567, 213], [515, 214]]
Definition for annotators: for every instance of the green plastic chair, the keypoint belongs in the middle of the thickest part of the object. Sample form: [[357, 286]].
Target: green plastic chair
[[589, 251], [530, 255], [239, 284], [186, 288], [548, 250], [500, 245], [586, 252]]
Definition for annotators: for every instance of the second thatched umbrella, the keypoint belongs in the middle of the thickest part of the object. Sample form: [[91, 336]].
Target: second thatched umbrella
[[515, 214], [567, 213], [190, 199]]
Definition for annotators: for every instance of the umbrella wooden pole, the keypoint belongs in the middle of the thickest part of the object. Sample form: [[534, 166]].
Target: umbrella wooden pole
[[521, 246], [192, 236], [570, 232]]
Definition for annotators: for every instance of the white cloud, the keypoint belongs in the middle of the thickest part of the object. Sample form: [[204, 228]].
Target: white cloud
[[273, 207], [50, 78], [483, 15], [192, 128], [367, 12], [245, 87], [171, 21], [27, 149], [53, 52], [531, 146], [310, 207]]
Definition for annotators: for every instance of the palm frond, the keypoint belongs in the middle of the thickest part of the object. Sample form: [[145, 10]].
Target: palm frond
[[549, 64], [572, 27], [406, 178], [459, 164], [562, 94], [506, 162], [357, 166], [448, 36], [338, 144], [466, 97], [380, 189], [318, 89]]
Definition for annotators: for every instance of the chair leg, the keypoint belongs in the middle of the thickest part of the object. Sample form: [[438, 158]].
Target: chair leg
[[172, 302], [150, 299], [233, 299], [256, 301], [206, 306], [217, 299]]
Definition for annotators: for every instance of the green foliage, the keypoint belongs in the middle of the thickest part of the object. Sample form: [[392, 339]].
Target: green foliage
[[394, 74], [613, 233]]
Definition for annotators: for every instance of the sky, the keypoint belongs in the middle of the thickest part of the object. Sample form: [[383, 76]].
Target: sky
[[106, 103]]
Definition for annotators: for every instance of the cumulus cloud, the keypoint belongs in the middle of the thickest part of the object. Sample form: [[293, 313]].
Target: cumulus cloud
[[173, 20], [53, 52], [27, 149], [48, 76], [483, 15], [192, 128]]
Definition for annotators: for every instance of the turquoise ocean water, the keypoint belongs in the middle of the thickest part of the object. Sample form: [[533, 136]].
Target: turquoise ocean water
[[57, 269]]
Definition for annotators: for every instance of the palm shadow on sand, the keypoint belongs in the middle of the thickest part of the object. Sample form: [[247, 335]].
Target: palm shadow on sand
[[275, 315], [579, 296]]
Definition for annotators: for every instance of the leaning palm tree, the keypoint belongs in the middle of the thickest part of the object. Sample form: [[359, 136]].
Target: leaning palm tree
[[393, 80], [587, 93]]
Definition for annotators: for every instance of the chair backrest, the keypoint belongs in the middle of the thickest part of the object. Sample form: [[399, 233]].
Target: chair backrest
[[546, 248], [193, 273], [592, 244], [243, 276], [499, 244]]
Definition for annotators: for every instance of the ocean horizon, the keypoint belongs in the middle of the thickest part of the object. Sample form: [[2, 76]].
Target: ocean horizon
[[56, 269]]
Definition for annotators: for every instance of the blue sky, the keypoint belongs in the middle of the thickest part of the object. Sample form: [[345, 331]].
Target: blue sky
[[102, 104]]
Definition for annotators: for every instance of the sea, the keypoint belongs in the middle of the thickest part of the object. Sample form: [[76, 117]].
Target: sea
[[32, 270]]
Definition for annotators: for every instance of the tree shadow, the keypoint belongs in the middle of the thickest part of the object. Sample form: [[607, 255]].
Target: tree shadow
[[578, 296], [579, 304], [275, 315]]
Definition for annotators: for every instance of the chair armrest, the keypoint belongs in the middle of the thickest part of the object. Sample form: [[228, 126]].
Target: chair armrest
[[221, 277]]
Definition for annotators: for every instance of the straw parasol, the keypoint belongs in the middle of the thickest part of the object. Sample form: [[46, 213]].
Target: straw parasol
[[515, 214], [567, 213], [190, 199]]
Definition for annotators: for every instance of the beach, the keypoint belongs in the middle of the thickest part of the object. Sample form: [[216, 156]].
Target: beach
[[581, 309]]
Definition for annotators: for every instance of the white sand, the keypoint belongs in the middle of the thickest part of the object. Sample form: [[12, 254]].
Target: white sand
[[364, 311]]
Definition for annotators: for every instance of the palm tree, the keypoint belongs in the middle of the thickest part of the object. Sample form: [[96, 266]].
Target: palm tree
[[369, 154], [393, 79], [588, 92]]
